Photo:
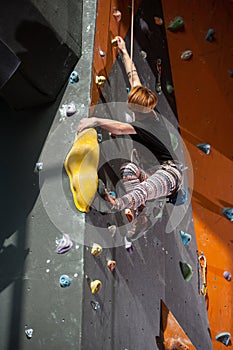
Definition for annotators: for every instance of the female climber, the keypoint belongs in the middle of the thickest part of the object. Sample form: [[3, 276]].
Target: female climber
[[149, 130]]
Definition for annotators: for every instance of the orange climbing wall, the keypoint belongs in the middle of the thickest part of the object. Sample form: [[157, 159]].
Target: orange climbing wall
[[106, 29], [204, 97]]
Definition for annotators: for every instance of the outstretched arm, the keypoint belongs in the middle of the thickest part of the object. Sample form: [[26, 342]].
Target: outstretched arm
[[113, 126], [129, 65]]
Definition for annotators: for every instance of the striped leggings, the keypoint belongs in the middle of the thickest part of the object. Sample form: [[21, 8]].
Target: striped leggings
[[141, 188]]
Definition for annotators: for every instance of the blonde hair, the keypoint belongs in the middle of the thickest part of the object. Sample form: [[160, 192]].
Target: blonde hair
[[143, 96]]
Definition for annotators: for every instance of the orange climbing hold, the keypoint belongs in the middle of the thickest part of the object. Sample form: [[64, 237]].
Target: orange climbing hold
[[81, 166]]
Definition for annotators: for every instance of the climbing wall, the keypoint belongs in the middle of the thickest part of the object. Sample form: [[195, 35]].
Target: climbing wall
[[126, 312], [203, 91]]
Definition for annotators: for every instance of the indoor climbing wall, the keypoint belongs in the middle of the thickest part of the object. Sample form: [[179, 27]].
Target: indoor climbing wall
[[203, 91], [123, 307]]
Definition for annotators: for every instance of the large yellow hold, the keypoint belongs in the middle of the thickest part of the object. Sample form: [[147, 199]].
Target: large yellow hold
[[81, 166]]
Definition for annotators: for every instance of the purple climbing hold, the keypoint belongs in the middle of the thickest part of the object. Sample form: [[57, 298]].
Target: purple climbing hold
[[227, 275], [210, 35], [128, 246], [64, 281], [65, 244], [224, 338], [204, 147]]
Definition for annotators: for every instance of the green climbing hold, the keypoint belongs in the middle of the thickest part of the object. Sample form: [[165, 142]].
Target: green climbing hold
[[176, 24], [186, 270], [169, 88]]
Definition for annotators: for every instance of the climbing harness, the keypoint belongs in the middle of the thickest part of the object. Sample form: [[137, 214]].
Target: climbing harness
[[203, 272]]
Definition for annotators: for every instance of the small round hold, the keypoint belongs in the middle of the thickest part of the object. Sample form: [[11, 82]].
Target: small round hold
[[102, 54], [74, 78], [29, 333], [143, 54], [186, 55], [158, 21], [64, 281], [169, 88], [227, 275], [100, 80], [117, 15], [95, 286], [39, 166], [112, 194], [70, 109], [111, 265]]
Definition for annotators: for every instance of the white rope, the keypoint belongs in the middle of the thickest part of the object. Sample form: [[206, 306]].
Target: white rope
[[131, 41]]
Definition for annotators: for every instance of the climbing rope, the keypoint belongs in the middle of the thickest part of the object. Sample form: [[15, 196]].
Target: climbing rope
[[131, 41], [203, 271]]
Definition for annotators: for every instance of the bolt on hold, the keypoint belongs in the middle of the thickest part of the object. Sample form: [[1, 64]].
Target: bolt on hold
[[186, 270], [39, 166], [29, 333], [204, 147], [74, 78], [64, 244], [117, 15], [227, 275], [228, 213], [114, 42], [224, 338], [210, 35], [95, 286], [96, 249], [186, 237], [176, 24], [158, 21], [95, 305], [64, 281], [186, 55], [100, 80], [111, 265]]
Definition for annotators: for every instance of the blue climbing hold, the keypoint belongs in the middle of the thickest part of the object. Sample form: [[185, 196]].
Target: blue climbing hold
[[179, 198], [224, 338], [65, 281], [204, 147], [186, 237], [74, 78], [210, 35], [228, 213], [112, 194], [128, 90]]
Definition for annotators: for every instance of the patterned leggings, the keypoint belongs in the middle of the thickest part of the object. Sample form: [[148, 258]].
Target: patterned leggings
[[140, 188]]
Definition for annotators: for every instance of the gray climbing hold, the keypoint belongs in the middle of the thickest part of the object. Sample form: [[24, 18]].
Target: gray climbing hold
[[64, 281], [186, 270], [29, 333], [39, 166], [227, 275], [228, 213], [112, 229], [95, 305], [64, 245], [204, 147], [210, 35], [186, 237], [224, 338], [74, 78]]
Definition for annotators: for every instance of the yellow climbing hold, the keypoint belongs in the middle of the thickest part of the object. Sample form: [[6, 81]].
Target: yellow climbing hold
[[81, 166], [96, 249], [95, 286]]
